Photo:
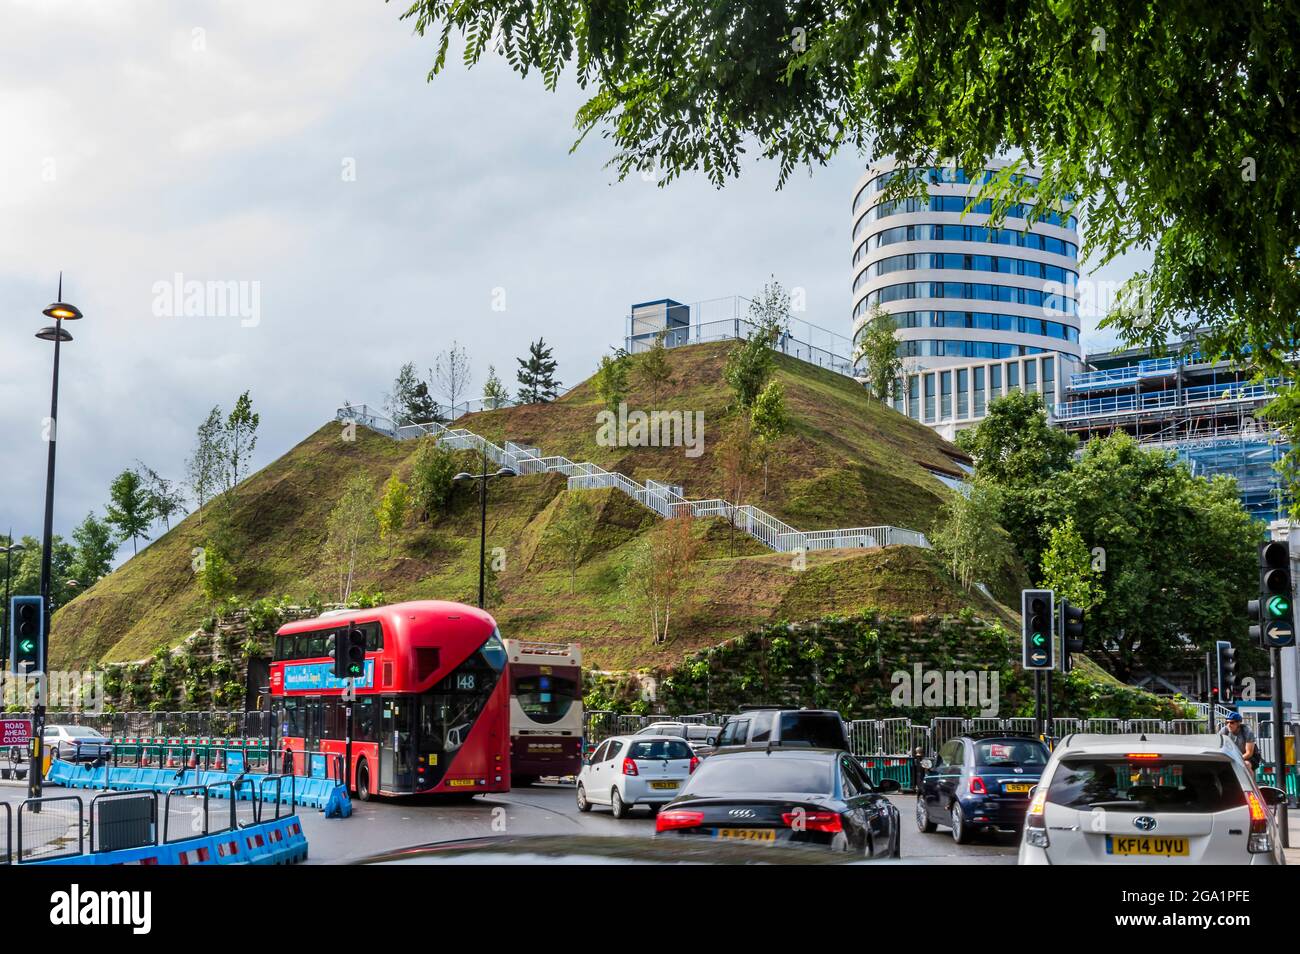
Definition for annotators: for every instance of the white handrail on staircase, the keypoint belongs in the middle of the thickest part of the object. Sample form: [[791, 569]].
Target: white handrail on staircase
[[664, 499]]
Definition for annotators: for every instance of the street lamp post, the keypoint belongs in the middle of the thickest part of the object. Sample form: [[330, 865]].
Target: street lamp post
[[60, 311], [9, 551], [483, 479]]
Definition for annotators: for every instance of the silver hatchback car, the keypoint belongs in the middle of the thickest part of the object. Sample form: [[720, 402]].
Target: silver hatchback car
[[1150, 799]]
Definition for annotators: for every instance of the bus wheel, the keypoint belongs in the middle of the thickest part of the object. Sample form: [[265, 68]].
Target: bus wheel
[[363, 780]]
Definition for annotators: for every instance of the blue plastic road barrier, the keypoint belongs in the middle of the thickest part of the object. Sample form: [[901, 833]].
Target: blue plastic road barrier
[[307, 792], [318, 766], [235, 762], [277, 842]]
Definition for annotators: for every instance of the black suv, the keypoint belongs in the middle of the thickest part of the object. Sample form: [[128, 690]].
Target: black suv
[[772, 725]]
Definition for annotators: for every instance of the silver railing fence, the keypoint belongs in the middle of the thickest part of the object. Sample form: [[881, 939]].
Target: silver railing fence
[[664, 499]]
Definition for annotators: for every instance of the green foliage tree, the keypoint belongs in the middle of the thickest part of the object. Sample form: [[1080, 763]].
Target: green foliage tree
[[203, 470], [570, 532], [1016, 448], [95, 549], [1178, 552], [215, 574], [166, 498], [348, 532], [409, 401], [432, 471], [968, 535], [536, 376], [878, 351], [1069, 568], [241, 439], [394, 506], [26, 569], [749, 365], [653, 370], [495, 394], [129, 510], [611, 380], [770, 422]]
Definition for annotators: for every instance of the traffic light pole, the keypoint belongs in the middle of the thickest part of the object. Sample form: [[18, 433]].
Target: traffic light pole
[[347, 747], [1047, 692], [1279, 744], [1038, 701]]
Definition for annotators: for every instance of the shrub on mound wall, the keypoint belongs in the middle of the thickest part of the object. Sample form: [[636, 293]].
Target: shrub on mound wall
[[859, 665]]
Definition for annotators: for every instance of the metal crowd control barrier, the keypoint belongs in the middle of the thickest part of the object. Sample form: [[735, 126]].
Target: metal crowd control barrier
[[50, 829], [8, 857]]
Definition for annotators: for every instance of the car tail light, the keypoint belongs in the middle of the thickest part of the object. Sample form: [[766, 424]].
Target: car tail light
[[675, 818], [629, 767], [977, 786], [1035, 823], [813, 821], [695, 762], [1259, 840]]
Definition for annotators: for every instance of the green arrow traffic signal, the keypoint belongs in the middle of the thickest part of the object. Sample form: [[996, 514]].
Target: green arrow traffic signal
[[1037, 639], [1278, 606], [27, 645]]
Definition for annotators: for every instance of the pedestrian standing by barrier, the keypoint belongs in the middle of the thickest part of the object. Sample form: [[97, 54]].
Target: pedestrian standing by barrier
[[286, 760]]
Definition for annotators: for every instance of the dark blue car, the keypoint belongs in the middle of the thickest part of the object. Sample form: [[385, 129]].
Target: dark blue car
[[979, 783]]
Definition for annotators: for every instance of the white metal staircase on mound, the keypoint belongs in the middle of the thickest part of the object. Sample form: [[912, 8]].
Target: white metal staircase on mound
[[664, 499]]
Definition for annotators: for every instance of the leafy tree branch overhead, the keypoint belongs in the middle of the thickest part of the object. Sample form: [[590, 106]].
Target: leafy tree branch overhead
[[1170, 126]]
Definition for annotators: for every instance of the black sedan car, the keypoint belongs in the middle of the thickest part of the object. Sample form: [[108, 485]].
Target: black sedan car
[[979, 783], [799, 797]]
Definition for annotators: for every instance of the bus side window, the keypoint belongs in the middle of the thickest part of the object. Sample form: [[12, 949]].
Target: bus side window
[[374, 637]]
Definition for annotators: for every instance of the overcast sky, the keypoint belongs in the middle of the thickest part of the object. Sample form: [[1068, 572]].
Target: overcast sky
[[296, 147]]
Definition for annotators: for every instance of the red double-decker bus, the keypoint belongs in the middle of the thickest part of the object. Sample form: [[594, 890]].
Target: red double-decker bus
[[432, 711]]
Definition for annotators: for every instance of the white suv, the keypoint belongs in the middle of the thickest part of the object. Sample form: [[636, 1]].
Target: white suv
[[1164, 799], [632, 770]]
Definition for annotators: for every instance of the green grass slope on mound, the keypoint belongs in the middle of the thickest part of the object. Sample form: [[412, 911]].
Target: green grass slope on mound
[[849, 461]]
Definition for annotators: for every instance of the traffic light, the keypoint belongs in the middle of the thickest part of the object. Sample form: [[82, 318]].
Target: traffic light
[[356, 653], [1071, 632], [1036, 615], [26, 634], [1272, 612], [349, 653], [1225, 670]]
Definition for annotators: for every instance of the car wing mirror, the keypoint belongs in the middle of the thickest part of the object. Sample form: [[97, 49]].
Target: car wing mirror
[[711, 740], [927, 764], [887, 785]]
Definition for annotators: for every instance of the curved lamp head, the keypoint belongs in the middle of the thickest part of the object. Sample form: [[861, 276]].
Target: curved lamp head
[[505, 472], [53, 333], [61, 310], [462, 476]]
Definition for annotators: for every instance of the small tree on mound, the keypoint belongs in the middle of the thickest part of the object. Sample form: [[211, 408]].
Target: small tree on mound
[[570, 532], [653, 370], [658, 574], [968, 537], [393, 508], [431, 473]]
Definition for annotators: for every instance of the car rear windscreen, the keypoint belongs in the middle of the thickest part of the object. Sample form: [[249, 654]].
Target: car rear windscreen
[[818, 731], [720, 775], [1189, 785], [1011, 753], [660, 749]]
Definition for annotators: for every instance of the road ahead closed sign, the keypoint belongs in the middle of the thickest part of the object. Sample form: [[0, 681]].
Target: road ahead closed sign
[[15, 731]]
